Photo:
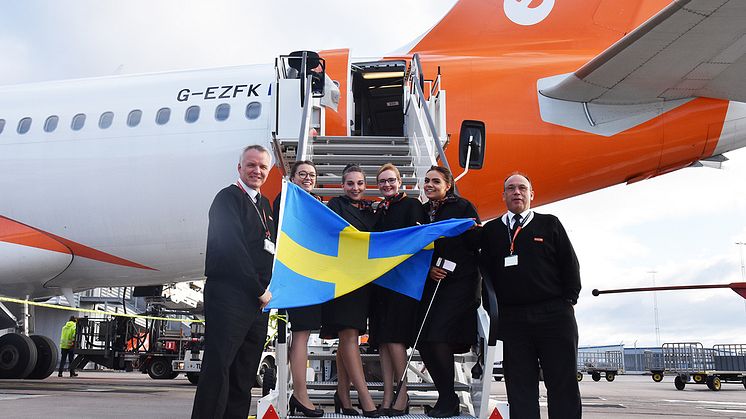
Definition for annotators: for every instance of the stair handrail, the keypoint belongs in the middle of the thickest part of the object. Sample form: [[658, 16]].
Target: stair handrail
[[304, 146], [416, 78]]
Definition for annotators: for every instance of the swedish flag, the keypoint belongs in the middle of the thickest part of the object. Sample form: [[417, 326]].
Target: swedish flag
[[320, 256]]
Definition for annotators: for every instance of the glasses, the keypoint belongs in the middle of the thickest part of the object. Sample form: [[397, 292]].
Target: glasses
[[391, 180], [304, 175]]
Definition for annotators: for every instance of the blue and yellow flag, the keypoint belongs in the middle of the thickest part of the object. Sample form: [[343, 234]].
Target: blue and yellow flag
[[320, 256]]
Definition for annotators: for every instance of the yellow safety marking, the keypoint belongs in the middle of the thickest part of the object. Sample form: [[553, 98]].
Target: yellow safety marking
[[106, 313]]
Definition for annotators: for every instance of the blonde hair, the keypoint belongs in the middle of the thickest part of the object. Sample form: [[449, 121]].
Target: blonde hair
[[389, 166]]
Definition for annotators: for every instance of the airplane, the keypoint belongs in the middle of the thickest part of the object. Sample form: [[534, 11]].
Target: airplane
[[107, 181]]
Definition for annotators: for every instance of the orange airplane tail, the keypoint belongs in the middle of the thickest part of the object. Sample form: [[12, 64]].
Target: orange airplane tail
[[487, 27]]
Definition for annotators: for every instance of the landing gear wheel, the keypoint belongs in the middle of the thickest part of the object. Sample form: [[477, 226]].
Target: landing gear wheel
[[679, 383], [596, 376], [193, 377], [657, 377], [17, 356], [713, 383], [579, 376], [610, 376], [159, 369], [46, 357]]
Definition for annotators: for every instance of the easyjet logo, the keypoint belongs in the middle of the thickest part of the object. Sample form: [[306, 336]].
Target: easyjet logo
[[522, 12]]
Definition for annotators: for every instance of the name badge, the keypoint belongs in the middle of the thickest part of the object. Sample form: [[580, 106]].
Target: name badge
[[445, 264], [511, 260], [269, 246]]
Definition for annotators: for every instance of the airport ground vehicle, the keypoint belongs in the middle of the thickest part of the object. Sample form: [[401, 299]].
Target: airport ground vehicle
[[600, 363], [694, 364]]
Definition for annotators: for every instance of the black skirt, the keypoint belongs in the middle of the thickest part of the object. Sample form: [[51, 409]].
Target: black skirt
[[393, 317], [305, 318], [349, 311]]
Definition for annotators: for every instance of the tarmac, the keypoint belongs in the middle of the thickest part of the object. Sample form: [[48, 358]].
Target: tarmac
[[108, 394]]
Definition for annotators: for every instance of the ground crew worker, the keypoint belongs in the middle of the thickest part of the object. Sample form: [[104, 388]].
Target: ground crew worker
[[67, 344]]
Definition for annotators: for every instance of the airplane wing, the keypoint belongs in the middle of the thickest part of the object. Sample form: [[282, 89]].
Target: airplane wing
[[692, 48]]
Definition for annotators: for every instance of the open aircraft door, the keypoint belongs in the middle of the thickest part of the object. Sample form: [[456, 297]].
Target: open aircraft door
[[338, 69]]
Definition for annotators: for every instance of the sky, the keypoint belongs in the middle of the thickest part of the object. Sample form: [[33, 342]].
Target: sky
[[681, 226]]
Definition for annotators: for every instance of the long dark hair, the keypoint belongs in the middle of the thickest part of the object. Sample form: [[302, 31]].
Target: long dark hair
[[448, 176]]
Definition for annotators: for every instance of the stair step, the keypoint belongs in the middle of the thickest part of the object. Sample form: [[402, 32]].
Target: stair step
[[360, 140], [329, 192], [328, 356], [361, 159], [336, 169], [378, 386], [367, 149], [413, 416], [370, 180]]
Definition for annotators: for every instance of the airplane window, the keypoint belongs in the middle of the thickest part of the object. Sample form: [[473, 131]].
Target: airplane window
[[222, 111], [51, 123], [192, 114], [78, 122], [253, 110], [106, 119], [133, 119], [24, 125], [2, 125], [162, 116]]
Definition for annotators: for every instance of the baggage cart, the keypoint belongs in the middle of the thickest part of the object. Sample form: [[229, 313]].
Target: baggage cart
[[693, 364], [600, 363]]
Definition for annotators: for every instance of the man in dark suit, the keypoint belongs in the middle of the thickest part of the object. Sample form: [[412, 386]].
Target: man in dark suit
[[238, 266], [536, 276]]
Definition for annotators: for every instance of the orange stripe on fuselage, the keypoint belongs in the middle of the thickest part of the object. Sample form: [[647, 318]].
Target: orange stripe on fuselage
[[18, 233], [337, 67]]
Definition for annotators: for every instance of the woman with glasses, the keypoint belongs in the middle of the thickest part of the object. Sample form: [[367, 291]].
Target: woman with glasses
[[393, 314], [451, 324], [302, 319], [346, 317]]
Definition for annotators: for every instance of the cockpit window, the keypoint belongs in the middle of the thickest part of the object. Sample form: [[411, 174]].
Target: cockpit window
[[222, 112], [106, 119], [253, 110], [162, 116], [134, 117], [78, 122], [192, 114], [24, 125], [51, 123]]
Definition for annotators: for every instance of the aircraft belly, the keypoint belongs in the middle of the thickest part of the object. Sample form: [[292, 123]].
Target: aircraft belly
[[733, 134], [25, 269]]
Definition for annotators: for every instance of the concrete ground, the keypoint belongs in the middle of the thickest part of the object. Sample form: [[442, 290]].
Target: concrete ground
[[127, 395]]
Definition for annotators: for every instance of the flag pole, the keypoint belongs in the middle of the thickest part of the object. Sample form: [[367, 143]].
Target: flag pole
[[414, 346]]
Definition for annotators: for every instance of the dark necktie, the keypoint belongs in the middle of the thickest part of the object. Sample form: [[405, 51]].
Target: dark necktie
[[516, 223]]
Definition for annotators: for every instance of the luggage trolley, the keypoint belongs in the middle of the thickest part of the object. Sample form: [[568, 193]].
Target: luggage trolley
[[596, 363], [691, 363], [730, 364], [653, 363]]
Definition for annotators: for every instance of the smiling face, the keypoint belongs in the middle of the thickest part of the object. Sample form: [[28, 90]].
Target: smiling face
[[305, 177], [436, 185], [388, 183], [518, 194], [354, 185], [254, 168]]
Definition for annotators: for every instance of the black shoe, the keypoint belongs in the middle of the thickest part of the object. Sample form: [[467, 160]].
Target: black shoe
[[339, 408], [446, 411], [375, 413], [72, 374], [397, 412], [311, 413], [59, 374]]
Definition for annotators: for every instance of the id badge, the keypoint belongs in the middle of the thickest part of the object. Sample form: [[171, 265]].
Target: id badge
[[269, 246], [446, 264], [511, 260]]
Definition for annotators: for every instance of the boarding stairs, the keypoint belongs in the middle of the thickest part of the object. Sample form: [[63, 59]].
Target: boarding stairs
[[414, 153]]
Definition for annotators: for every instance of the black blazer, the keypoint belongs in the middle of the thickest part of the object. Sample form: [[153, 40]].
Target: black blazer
[[235, 241]]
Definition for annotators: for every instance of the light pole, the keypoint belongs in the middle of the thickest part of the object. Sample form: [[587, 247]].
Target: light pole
[[655, 312], [740, 245]]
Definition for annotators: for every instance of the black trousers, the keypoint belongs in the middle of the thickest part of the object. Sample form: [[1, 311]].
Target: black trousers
[[70, 355], [235, 333], [545, 334]]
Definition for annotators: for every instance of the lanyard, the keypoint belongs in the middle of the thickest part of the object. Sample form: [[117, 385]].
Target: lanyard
[[518, 229], [262, 215]]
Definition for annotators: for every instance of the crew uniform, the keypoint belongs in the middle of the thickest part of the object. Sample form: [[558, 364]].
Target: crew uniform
[[349, 311], [393, 315], [300, 318], [238, 270], [536, 319]]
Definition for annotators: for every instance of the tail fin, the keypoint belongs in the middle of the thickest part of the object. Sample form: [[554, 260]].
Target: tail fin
[[482, 27]]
